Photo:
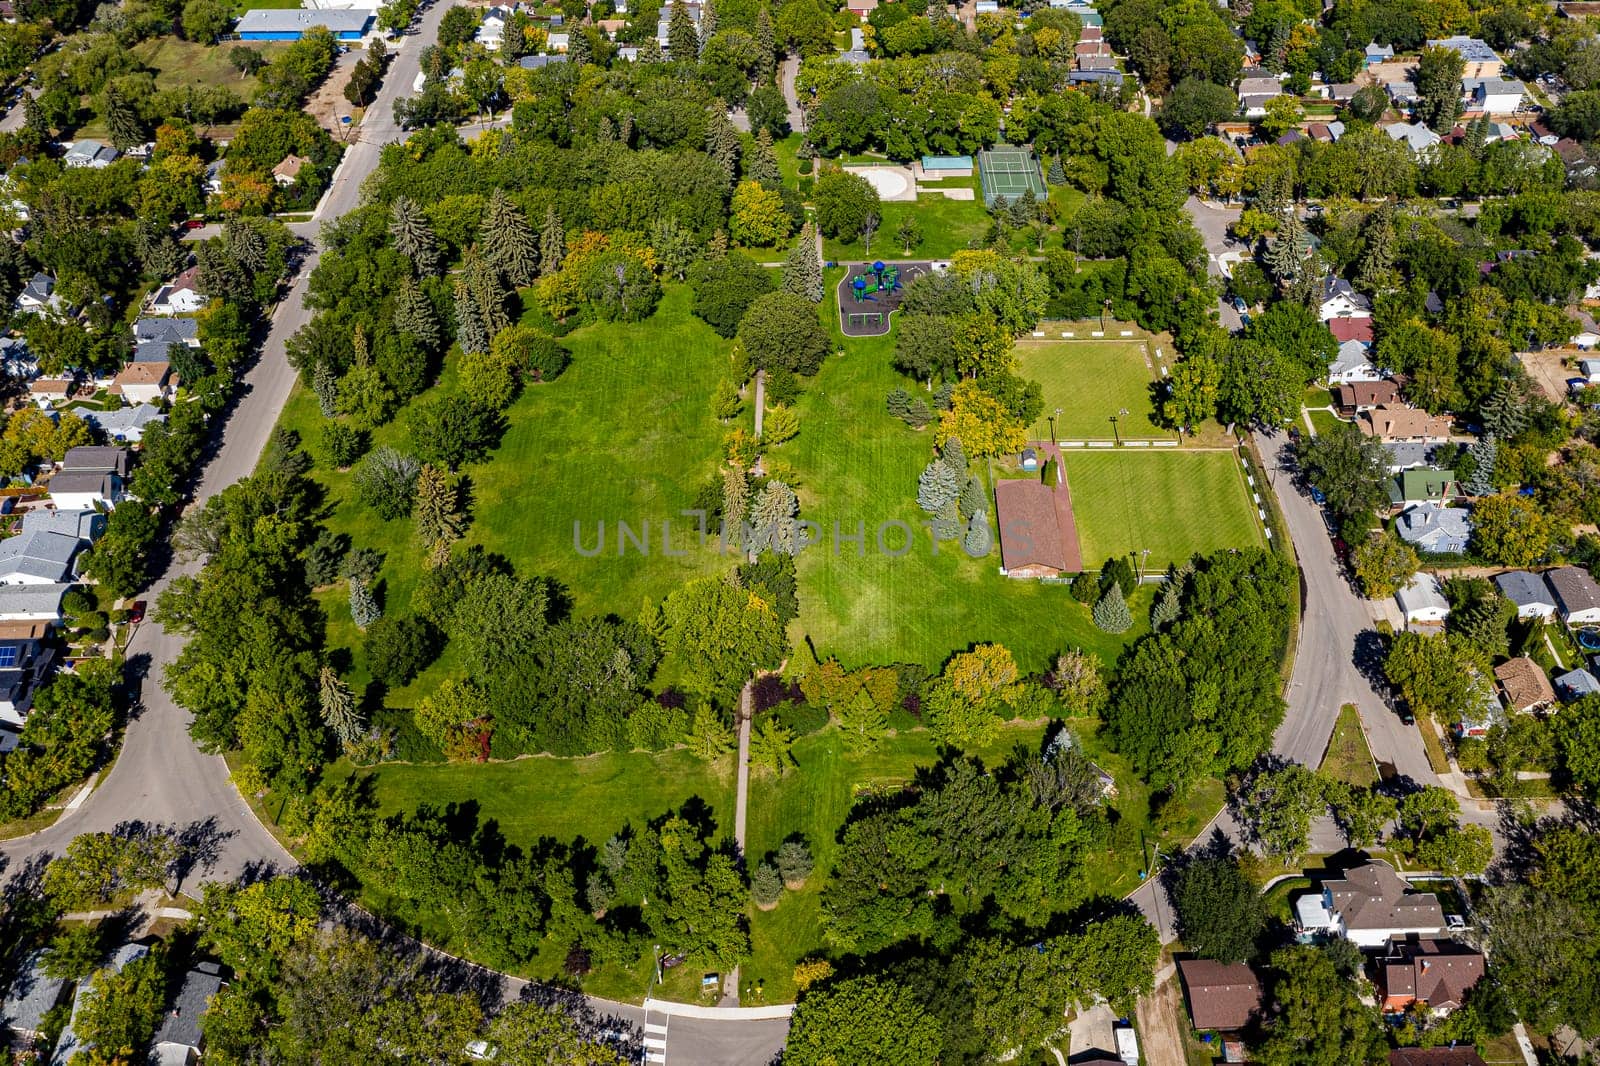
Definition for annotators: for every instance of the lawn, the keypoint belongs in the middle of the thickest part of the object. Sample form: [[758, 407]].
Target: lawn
[[1170, 502], [1348, 758], [947, 226], [1091, 381], [855, 465], [1322, 421], [177, 62], [815, 801]]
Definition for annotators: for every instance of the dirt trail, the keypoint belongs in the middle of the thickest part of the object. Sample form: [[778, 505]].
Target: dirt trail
[[1159, 1037]]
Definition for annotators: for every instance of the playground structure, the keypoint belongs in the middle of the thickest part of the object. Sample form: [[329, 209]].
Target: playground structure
[[869, 292]]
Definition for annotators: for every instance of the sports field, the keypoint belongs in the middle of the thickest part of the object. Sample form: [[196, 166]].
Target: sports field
[[1091, 382], [1009, 171], [1172, 502]]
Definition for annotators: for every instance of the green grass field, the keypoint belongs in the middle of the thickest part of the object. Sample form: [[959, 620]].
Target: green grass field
[[1172, 502], [947, 226], [177, 62], [854, 464], [1091, 381]]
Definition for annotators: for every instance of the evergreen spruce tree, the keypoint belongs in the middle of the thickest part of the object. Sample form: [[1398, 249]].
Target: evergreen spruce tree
[[1286, 251], [338, 705], [1504, 413], [413, 314], [773, 521], [606, 133], [413, 237], [487, 291], [122, 121], [717, 248], [954, 454], [766, 887], [1111, 613], [33, 119], [766, 47], [708, 22], [364, 608], [802, 270], [978, 540], [246, 246], [552, 244], [325, 385], [1058, 173], [580, 52], [761, 162], [1168, 603], [735, 505], [470, 331], [508, 243], [972, 500], [436, 508], [625, 130], [1483, 452], [936, 487], [947, 521], [724, 146], [683, 44]]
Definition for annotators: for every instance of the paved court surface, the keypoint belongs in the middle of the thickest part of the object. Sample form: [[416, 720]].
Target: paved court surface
[[864, 312]]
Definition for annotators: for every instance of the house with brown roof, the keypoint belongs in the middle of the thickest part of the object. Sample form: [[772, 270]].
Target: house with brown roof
[[1356, 396], [144, 382], [1031, 544], [1392, 422], [1525, 685], [1437, 973], [1220, 996], [1370, 906], [1351, 329], [287, 171]]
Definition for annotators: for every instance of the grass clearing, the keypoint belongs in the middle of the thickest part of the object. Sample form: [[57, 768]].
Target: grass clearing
[[1172, 502], [1348, 758], [948, 226], [177, 62], [1091, 382]]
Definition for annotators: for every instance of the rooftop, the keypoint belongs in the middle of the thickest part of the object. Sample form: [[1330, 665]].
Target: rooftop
[[1575, 590], [1029, 533], [1524, 683], [182, 1023], [1220, 996], [1373, 896], [36, 553], [1471, 49], [298, 20], [1523, 588]]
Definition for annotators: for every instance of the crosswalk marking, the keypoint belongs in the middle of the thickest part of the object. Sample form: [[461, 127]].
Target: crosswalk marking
[[655, 1027]]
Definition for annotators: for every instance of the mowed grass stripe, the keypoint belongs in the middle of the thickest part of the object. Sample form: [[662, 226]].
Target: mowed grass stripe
[[1091, 381], [1174, 503]]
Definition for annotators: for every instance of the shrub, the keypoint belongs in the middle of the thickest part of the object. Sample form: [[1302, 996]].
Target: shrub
[[766, 887], [343, 442], [1111, 613], [398, 649], [1085, 588], [795, 863], [386, 480]]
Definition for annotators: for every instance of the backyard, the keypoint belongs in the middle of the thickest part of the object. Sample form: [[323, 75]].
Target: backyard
[[1091, 382], [1170, 502]]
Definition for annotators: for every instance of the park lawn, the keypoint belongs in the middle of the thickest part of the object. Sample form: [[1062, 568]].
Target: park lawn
[[855, 465], [948, 226], [1348, 758], [1172, 503], [177, 62], [1091, 381]]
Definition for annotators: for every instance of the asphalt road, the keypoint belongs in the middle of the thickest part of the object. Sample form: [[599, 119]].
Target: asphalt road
[[161, 778]]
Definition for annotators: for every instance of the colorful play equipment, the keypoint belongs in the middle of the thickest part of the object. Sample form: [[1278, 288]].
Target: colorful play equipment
[[880, 277]]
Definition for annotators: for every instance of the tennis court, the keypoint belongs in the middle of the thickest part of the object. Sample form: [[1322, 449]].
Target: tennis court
[[1009, 171]]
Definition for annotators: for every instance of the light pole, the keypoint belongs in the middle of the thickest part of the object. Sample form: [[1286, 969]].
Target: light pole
[[1053, 425], [1115, 435]]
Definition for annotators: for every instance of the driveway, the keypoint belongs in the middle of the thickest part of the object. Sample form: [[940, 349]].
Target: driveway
[[1091, 1031]]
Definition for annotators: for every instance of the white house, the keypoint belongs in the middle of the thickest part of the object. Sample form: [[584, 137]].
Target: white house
[[1422, 601], [180, 1041], [180, 296], [1369, 906], [84, 526], [1418, 137], [1432, 527], [1352, 365], [38, 557], [1340, 300], [1590, 369], [1577, 595], [125, 424], [149, 382], [32, 603], [1494, 96], [72, 490], [39, 294], [1255, 92], [492, 30], [1529, 592], [90, 153]]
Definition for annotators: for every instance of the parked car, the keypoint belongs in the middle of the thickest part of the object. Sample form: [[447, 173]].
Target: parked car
[[1577, 384], [1317, 496], [1239, 306], [136, 612]]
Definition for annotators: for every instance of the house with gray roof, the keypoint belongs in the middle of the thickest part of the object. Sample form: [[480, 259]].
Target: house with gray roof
[[1407, 455], [1576, 684], [31, 995], [38, 294], [90, 153], [1528, 591], [179, 1041], [1353, 363], [32, 603], [38, 557], [167, 330], [1577, 595], [1422, 601], [85, 525], [97, 458], [1435, 528], [70, 1045], [1377, 53], [125, 425], [17, 360], [1418, 137]]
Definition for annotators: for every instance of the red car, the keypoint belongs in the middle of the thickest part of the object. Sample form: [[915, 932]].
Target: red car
[[194, 224], [136, 612]]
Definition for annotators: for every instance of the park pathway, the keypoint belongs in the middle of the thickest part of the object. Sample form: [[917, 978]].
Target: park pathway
[[741, 802]]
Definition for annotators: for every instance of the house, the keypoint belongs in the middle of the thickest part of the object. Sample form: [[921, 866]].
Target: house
[[1095, 77], [97, 458], [125, 425], [179, 1041], [86, 526], [1423, 484], [286, 172], [946, 166], [1422, 601], [38, 294], [47, 392], [90, 153], [31, 995], [290, 24], [1096, 47], [76, 489], [1481, 60], [987, 7], [1353, 363], [1435, 528], [1255, 92], [1524, 685], [1477, 721], [1377, 53], [1493, 96], [1345, 330], [180, 296], [1590, 369], [38, 557], [1340, 300], [167, 331], [1577, 596], [492, 30], [144, 382], [1220, 997], [17, 362], [31, 603], [539, 62], [1528, 591], [1418, 137], [1364, 395], [1586, 333], [69, 1045], [1406, 456], [26, 658], [1031, 544], [1370, 906], [1326, 132], [1436, 1056], [1342, 92], [1576, 684], [1436, 973], [1393, 422], [1402, 91], [1576, 159]]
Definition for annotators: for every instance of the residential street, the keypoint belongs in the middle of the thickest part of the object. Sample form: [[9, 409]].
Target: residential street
[[160, 777]]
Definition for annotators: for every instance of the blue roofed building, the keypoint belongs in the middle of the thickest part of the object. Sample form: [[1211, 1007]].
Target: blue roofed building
[[291, 24]]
